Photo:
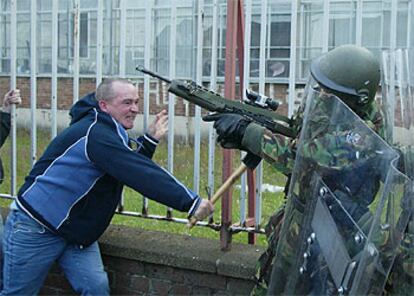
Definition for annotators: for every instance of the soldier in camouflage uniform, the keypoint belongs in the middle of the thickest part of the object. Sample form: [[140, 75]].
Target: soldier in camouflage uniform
[[351, 73]]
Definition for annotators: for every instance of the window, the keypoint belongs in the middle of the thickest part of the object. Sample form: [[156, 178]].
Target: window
[[135, 41], [342, 24], [277, 60], [66, 35]]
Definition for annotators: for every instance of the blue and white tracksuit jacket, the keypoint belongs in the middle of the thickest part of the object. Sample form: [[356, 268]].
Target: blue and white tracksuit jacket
[[75, 187]]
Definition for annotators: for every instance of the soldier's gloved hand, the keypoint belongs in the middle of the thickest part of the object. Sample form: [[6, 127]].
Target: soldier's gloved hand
[[205, 209], [230, 129]]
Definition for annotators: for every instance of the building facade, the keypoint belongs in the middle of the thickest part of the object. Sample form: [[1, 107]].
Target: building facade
[[61, 49], [124, 33]]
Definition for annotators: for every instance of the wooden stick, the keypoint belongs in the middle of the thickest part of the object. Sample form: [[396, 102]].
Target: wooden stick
[[223, 188]]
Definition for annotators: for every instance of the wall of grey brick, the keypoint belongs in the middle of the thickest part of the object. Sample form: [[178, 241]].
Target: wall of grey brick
[[184, 124], [156, 263], [158, 94]]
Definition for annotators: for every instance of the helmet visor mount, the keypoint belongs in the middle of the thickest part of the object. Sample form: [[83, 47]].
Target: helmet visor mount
[[353, 101]]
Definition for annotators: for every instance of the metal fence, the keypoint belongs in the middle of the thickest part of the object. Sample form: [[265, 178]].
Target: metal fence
[[183, 39]]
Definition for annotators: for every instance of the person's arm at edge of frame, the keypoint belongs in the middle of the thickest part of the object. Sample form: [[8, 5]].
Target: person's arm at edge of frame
[[11, 97]]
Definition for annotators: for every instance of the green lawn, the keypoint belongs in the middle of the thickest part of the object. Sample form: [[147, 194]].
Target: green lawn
[[183, 170]]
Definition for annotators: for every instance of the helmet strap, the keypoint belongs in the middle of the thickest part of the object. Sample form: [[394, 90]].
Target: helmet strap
[[363, 96]]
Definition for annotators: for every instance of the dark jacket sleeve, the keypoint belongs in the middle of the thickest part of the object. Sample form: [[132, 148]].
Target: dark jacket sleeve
[[106, 149], [4, 127], [146, 145], [4, 132]]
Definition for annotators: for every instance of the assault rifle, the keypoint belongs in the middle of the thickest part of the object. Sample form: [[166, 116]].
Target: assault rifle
[[256, 107]]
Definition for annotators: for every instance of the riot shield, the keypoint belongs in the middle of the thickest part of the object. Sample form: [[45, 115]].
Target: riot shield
[[398, 105], [398, 102], [346, 208]]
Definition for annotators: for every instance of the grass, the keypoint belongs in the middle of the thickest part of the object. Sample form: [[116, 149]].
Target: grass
[[183, 170]]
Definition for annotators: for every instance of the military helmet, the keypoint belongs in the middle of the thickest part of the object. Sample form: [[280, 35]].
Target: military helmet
[[351, 72]]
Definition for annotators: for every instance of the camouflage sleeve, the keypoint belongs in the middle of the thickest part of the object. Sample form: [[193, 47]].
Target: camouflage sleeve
[[278, 150], [275, 149], [334, 150]]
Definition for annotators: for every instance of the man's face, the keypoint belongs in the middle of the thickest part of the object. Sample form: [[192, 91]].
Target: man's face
[[124, 107]]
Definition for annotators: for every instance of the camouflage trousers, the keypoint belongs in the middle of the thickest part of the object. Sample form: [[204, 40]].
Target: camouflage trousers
[[400, 281], [264, 265], [286, 250]]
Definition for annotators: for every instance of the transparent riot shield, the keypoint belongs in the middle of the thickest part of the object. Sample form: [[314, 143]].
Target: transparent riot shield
[[348, 206], [398, 104]]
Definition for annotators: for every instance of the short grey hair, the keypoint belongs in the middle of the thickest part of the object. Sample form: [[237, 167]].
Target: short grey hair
[[105, 90]]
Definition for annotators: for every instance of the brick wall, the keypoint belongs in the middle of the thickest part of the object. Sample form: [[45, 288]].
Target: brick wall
[[184, 123], [131, 277], [158, 94], [156, 263]]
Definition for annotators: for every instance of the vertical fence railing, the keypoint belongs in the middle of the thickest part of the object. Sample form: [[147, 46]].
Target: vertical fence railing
[[246, 83], [76, 38], [122, 61], [262, 73], [33, 81], [393, 45], [122, 38], [358, 22], [249, 218], [147, 64], [293, 56], [393, 25], [410, 24], [171, 97], [54, 80], [199, 76], [13, 84], [213, 86], [53, 18], [99, 41], [325, 26]]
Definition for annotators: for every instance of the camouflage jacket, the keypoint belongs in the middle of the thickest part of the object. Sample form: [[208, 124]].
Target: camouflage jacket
[[279, 150]]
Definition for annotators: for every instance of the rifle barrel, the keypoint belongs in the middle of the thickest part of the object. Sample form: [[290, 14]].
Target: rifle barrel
[[149, 72]]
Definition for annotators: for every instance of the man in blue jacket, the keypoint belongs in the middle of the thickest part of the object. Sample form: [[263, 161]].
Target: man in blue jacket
[[70, 195]]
